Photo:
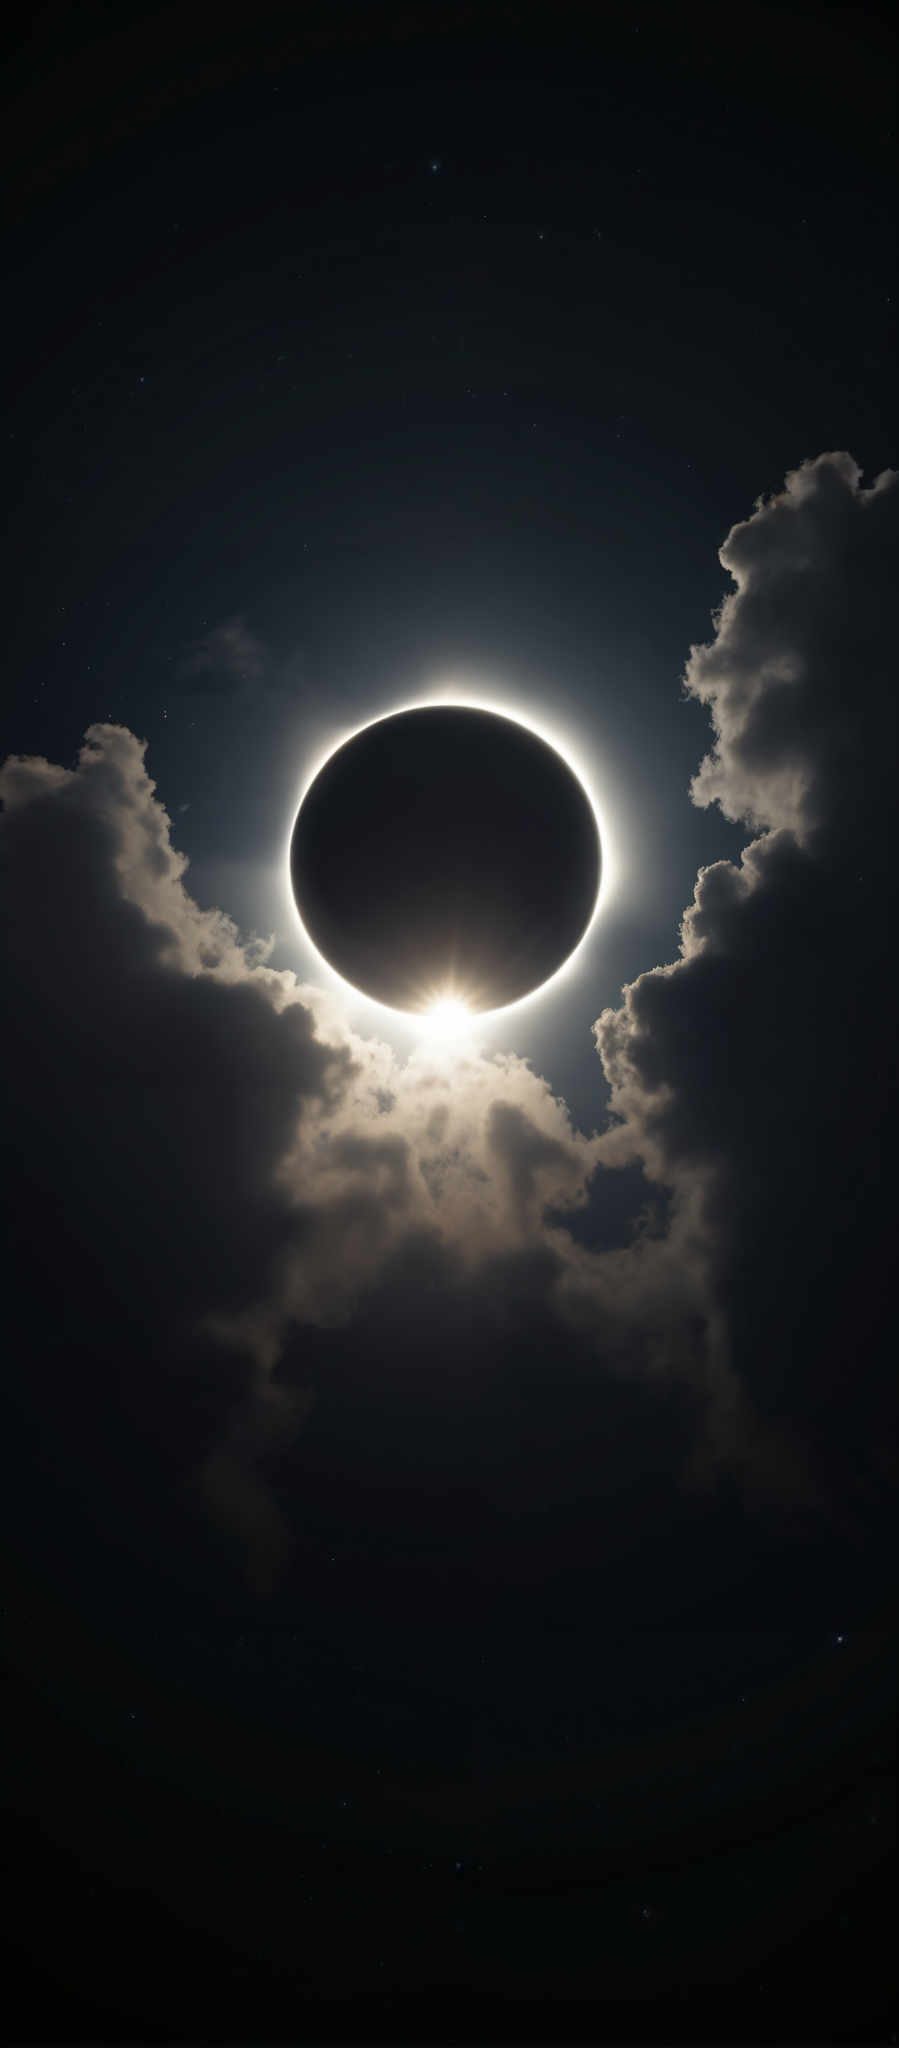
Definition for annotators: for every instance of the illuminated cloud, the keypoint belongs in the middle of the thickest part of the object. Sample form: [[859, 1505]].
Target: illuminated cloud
[[210, 1161]]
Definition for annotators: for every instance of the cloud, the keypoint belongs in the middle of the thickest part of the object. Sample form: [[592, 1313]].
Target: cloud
[[755, 1075], [211, 1157], [227, 657], [233, 1209], [802, 647]]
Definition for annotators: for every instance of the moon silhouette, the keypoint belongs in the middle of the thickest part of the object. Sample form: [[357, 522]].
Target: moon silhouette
[[445, 854]]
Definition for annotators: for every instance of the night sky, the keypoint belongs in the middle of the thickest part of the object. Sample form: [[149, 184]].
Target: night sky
[[450, 1487]]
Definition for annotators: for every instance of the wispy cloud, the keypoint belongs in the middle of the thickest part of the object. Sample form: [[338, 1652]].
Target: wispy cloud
[[226, 658]]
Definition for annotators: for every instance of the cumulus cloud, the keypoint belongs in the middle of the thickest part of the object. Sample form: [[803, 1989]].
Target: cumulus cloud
[[226, 1194], [755, 1075], [207, 1148], [803, 655]]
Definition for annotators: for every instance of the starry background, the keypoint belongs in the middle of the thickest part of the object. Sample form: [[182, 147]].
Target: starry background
[[347, 353]]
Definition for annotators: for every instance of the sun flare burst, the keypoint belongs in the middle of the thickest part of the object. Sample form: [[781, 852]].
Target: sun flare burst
[[446, 1022]]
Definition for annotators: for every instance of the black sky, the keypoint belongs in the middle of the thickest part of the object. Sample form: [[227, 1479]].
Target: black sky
[[450, 1508]]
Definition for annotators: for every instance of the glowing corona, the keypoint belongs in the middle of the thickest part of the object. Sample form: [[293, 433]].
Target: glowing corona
[[447, 1020]]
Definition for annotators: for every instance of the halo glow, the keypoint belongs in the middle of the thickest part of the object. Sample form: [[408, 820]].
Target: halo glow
[[448, 1020]]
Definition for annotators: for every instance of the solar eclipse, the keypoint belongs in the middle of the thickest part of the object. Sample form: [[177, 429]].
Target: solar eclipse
[[446, 855]]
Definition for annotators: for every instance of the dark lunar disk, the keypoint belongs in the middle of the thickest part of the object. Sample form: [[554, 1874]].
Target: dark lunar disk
[[445, 853]]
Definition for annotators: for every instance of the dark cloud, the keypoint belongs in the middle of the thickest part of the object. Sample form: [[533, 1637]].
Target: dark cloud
[[756, 1075], [156, 1082], [256, 1254]]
